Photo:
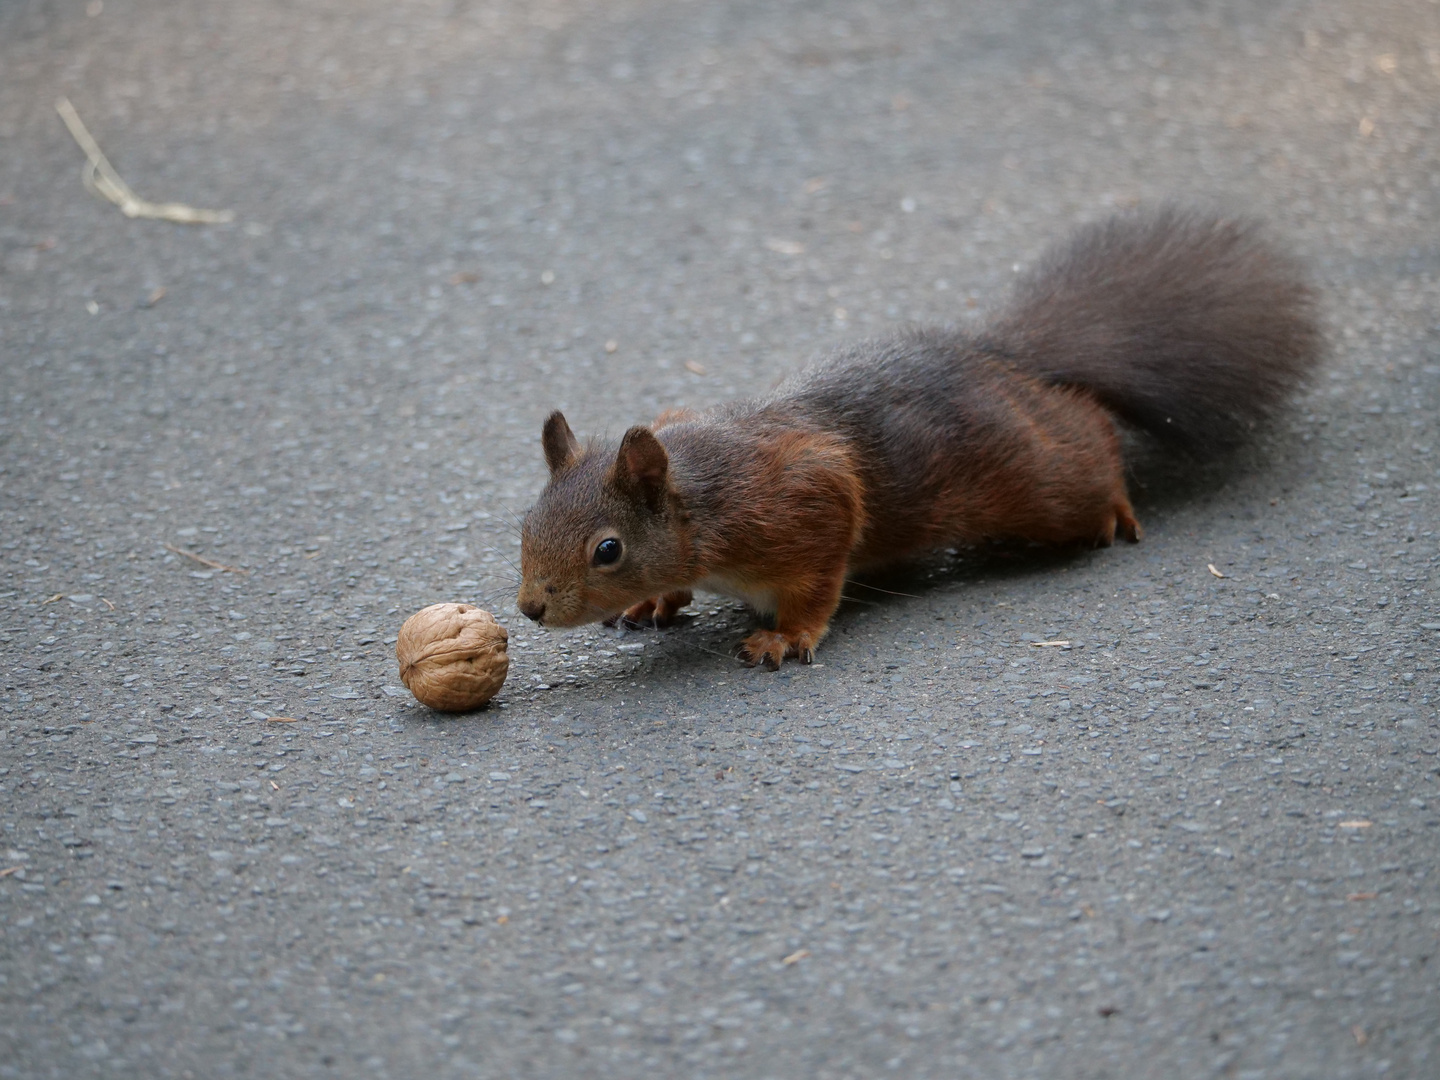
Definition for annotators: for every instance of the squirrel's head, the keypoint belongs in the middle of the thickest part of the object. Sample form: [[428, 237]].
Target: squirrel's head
[[604, 533]]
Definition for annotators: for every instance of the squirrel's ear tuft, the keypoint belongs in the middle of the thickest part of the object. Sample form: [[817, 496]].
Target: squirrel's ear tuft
[[642, 465], [561, 446]]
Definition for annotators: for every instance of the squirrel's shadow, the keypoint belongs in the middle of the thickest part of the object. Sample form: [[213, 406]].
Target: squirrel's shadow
[[990, 562]]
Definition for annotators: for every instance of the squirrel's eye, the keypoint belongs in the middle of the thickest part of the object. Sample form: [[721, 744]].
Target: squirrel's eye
[[607, 551]]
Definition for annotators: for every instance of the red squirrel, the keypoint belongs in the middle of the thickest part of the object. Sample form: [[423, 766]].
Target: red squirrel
[[1189, 327]]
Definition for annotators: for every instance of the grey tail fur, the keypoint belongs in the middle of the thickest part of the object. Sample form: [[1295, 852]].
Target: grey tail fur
[[1188, 326]]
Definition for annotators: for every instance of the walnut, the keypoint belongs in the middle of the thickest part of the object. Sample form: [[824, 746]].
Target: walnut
[[452, 656]]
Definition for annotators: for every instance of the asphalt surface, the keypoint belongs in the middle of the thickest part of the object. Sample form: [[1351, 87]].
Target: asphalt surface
[[1200, 840]]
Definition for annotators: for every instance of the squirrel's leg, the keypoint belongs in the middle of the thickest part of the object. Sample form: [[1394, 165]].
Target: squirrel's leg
[[801, 618], [657, 611]]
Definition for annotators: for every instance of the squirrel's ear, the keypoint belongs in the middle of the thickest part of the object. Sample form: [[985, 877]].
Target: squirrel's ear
[[561, 446], [642, 465]]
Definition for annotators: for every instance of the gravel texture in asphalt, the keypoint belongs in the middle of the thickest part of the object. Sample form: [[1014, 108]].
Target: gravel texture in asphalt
[[1200, 839]]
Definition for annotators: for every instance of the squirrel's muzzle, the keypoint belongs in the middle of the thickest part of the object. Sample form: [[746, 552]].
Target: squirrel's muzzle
[[532, 609]]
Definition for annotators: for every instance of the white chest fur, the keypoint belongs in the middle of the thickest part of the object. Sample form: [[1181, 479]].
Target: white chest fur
[[761, 599]]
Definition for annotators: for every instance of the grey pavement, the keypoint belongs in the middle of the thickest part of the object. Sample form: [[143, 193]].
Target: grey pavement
[[1200, 840]]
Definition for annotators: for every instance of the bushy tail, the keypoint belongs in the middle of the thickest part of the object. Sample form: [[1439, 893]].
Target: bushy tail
[[1190, 327]]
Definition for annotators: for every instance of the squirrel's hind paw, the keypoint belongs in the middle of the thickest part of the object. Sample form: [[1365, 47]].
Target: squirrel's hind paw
[[1122, 524], [1128, 527]]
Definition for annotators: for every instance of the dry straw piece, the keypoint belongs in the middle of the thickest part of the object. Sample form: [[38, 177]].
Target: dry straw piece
[[452, 656], [101, 178]]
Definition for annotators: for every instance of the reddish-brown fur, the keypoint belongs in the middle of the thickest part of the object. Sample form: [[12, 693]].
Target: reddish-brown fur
[[1050, 470], [925, 440], [799, 554]]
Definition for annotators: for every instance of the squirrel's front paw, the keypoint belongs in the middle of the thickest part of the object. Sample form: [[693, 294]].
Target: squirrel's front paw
[[772, 648], [638, 615], [657, 611]]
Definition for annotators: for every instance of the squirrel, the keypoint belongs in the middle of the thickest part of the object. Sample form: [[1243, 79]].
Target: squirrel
[[1189, 327]]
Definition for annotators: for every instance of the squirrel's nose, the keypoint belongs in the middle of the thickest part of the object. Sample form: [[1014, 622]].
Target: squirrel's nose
[[532, 609]]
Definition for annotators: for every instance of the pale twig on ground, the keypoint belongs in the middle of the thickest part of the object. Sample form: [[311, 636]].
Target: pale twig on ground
[[204, 561], [101, 178]]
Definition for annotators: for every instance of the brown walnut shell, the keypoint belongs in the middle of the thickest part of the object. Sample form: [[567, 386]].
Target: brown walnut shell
[[452, 656]]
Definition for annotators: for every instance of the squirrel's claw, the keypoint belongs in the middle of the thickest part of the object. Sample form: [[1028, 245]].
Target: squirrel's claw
[[770, 659]]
